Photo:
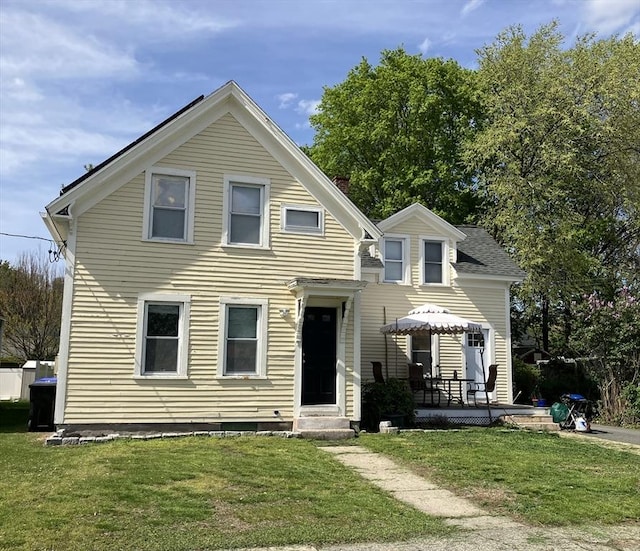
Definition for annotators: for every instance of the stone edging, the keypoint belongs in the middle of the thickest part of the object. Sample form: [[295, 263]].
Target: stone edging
[[60, 440]]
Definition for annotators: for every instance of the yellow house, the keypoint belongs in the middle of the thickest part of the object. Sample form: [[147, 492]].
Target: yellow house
[[424, 259], [217, 279]]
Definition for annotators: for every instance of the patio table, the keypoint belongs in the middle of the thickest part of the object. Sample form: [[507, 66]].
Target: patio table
[[447, 384]]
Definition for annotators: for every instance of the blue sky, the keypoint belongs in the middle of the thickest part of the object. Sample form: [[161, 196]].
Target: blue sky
[[80, 79]]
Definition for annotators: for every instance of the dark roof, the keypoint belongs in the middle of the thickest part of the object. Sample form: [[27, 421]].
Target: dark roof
[[480, 254], [368, 261], [128, 147]]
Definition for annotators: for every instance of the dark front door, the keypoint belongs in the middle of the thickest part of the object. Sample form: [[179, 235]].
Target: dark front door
[[319, 356]]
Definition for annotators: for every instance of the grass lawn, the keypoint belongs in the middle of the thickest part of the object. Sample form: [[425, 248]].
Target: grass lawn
[[189, 493], [536, 478]]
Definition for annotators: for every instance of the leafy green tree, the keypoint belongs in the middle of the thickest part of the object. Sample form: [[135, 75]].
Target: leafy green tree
[[396, 131], [31, 306], [558, 163]]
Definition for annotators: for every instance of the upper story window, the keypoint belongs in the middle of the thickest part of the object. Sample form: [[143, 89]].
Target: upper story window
[[396, 259], [169, 205], [243, 337], [163, 330], [433, 263], [302, 219], [246, 206]]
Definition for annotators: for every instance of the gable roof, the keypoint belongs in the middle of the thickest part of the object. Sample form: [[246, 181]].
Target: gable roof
[[426, 216], [480, 255], [174, 131]]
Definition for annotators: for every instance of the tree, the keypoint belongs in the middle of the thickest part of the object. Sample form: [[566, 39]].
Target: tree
[[558, 158], [396, 131], [31, 305]]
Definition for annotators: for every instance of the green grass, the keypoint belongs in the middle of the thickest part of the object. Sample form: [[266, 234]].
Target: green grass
[[536, 478], [191, 493], [14, 416]]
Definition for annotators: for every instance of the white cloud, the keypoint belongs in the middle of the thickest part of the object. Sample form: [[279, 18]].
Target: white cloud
[[425, 45], [610, 16], [35, 45], [285, 99], [308, 106], [470, 6]]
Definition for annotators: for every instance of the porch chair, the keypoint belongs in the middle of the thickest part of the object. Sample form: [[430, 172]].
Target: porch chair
[[377, 372], [488, 386], [418, 382]]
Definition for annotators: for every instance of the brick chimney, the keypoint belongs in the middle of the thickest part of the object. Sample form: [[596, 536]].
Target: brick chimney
[[343, 184]]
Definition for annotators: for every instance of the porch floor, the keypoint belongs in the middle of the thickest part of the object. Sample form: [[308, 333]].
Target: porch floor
[[470, 415]]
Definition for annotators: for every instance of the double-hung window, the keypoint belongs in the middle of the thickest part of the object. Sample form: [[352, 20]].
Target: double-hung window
[[433, 261], [162, 343], [246, 205], [396, 262], [243, 332], [169, 205]]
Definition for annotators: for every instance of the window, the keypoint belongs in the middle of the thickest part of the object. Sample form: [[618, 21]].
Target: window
[[302, 219], [243, 337], [433, 265], [161, 348], [421, 351], [246, 204], [169, 204], [395, 260]]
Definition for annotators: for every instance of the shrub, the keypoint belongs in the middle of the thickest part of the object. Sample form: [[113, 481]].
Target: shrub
[[526, 378], [383, 399]]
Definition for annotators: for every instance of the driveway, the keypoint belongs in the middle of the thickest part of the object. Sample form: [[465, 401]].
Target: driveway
[[615, 434]]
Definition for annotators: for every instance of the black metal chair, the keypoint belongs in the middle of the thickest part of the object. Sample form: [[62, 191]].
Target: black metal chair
[[377, 372], [418, 382], [488, 386]]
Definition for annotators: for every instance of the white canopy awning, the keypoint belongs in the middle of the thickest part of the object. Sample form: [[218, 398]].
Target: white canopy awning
[[430, 318]]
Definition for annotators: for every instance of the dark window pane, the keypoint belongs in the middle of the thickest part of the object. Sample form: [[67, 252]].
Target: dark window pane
[[241, 356], [242, 323], [168, 223], [393, 271], [433, 273], [245, 229], [245, 200], [433, 251], [161, 356], [162, 320]]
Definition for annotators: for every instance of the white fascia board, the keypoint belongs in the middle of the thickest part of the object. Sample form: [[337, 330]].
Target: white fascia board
[[58, 228], [289, 155], [429, 217]]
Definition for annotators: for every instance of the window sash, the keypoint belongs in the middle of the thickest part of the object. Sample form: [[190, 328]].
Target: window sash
[[162, 337], [242, 344], [394, 260], [246, 214], [433, 261], [169, 208]]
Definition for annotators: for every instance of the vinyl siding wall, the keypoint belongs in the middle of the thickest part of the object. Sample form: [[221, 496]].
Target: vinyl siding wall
[[114, 265], [479, 300]]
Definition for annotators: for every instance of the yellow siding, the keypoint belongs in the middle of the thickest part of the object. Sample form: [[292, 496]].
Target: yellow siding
[[483, 302], [114, 265]]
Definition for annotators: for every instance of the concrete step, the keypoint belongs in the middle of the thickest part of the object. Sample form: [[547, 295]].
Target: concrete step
[[532, 422], [306, 423], [327, 434]]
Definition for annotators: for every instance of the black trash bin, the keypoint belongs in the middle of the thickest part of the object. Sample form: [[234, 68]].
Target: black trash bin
[[42, 396]]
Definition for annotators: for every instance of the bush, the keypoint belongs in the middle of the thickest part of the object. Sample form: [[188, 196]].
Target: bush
[[558, 377], [526, 378], [631, 395], [391, 398]]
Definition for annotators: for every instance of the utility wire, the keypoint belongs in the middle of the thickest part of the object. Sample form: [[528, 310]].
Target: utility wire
[[55, 250], [25, 236]]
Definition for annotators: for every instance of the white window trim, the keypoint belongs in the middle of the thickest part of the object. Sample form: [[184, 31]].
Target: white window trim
[[302, 229], [191, 203], [183, 334], [406, 260], [445, 261], [230, 179], [263, 318]]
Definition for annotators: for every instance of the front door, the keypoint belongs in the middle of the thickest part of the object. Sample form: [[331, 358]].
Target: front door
[[319, 342], [476, 355]]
